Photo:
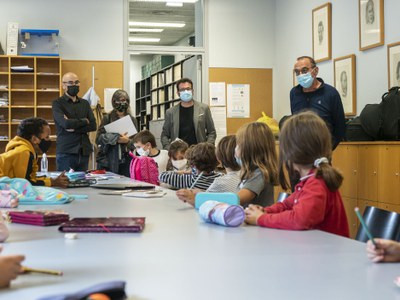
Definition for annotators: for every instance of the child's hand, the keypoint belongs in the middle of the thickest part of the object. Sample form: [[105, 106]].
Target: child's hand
[[384, 251], [253, 212], [186, 195], [10, 267]]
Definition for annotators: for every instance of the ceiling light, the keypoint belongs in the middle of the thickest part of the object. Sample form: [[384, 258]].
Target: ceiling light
[[174, 4], [146, 30], [182, 1], [145, 40], [153, 24]]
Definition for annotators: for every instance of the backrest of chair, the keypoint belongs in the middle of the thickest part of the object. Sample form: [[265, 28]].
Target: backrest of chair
[[381, 223]]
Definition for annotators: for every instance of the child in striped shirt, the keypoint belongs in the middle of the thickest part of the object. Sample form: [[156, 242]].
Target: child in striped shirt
[[203, 161]]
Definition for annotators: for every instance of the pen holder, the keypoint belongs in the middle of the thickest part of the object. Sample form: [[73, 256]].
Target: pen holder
[[222, 213]]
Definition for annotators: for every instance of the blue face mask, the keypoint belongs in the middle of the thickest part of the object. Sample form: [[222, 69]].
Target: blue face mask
[[239, 161], [186, 96], [305, 80]]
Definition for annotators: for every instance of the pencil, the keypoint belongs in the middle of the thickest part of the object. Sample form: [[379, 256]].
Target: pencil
[[364, 225], [50, 272], [197, 179]]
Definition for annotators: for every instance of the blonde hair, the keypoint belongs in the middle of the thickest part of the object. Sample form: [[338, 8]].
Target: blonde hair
[[257, 151], [304, 139]]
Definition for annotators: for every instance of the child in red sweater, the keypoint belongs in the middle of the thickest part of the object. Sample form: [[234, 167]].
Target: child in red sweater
[[305, 148]]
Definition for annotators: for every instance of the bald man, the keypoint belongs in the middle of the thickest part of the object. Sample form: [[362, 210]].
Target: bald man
[[74, 118]]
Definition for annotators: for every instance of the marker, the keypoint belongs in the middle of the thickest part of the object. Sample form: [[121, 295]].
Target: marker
[[197, 179], [50, 272], [364, 226]]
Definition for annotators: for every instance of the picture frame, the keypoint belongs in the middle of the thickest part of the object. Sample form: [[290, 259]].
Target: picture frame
[[345, 82], [371, 24], [393, 59], [322, 32]]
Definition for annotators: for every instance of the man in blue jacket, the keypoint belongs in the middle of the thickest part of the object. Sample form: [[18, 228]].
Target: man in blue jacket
[[313, 94]]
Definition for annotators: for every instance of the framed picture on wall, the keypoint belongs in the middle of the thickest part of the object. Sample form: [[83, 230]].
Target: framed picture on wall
[[345, 82], [371, 24], [321, 31], [393, 57]]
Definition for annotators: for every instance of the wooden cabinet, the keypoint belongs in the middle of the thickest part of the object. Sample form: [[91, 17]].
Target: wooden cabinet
[[349, 205], [28, 94], [368, 172], [345, 160], [389, 178]]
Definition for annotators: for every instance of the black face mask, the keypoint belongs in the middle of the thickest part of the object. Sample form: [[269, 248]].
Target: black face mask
[[73, 90], [121, 107], [44, 145]]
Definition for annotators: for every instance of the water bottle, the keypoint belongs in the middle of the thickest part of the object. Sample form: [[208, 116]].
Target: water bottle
[[44, 163]]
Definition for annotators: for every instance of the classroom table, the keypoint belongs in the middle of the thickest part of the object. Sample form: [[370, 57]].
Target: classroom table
[[178, 256]]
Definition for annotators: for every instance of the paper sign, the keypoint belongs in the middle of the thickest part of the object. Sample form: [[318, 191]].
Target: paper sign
[[122, 126]]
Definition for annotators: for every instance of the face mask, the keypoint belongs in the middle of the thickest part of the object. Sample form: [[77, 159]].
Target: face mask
[[194, 170], [305, 80], [44, 145], [238, 161], [186, 96], [121, 107], [179, 164], [73, 90], [142, 152]]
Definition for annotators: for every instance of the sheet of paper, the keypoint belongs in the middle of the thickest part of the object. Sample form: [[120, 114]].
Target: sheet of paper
[[238, 100], [219, 118], [217, 94], [121, 126]]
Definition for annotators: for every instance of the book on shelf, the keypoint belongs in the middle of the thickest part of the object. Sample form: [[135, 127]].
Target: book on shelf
[[154, 97], [154, 82], [168, 76], [161, 96]]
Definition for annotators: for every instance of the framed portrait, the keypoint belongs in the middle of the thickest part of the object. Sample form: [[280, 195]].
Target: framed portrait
[[371, 23], [345, 82], [393, 57], [322, 33]]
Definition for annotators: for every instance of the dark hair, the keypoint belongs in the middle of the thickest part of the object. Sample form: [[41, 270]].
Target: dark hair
[[31, 127], [312, 61], [120, 94], [183, 80], [202, 156], [145, 137], [226, 152], [177, 146], [303, 139]]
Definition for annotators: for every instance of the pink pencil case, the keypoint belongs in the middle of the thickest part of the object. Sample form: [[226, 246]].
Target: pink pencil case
[[38, 218]]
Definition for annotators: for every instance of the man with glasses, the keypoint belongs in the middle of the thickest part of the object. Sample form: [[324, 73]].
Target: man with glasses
[[73, 118], [191, 121], [313, 94]]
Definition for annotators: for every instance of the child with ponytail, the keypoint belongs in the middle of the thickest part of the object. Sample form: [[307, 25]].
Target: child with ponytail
[[305, 149]]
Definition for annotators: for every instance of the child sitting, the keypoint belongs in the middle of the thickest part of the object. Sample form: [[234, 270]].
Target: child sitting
[[145, 144], [305, 148], [176, 153], [203, 161], [227, 183]]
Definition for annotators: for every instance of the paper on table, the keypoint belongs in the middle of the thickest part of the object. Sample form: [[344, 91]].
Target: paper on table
[[122, 126]]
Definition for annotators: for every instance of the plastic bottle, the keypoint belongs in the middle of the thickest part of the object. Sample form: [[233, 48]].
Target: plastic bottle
[[44, 163]]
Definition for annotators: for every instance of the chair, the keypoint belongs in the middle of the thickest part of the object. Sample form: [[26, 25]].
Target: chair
[[381, 223], [229, 198]]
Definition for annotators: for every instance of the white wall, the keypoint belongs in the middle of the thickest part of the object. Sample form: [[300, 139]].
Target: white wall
[[89, 29], [241, 33], [294, 38]]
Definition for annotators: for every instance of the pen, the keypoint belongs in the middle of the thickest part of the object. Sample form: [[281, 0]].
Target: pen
[[50, 272], [364, 226], [197, 179]]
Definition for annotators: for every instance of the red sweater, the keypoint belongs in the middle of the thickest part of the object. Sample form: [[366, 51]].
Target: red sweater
[[311, 206]]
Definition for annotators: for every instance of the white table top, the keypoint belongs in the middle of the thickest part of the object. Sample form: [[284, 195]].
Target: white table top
[[179, 257]]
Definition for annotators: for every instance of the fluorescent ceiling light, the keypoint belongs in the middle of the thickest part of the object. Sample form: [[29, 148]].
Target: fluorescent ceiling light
[[146, 30], [154, 24], [182, 1], [146, 40], [174, 4]]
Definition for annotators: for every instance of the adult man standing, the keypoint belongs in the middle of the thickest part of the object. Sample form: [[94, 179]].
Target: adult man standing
[[313, 94], [74, 118], [190, 121]]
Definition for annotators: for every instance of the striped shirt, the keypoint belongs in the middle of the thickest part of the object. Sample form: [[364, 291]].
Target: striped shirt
[[185, 181], [227, 183]]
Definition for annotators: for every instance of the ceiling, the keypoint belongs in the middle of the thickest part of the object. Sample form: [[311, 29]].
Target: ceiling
[[140, 11]]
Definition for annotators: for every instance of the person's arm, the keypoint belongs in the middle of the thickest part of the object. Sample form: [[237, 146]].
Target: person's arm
[[179, 181], [166, 131], [246, 196], [384, 251], [64, 121], [60, 181], [211, 132], [339, 121], [90, 120], [10, 267], [188, 195]]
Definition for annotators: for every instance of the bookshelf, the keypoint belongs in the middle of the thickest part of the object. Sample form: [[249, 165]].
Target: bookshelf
[[156, 93], [28, 94]]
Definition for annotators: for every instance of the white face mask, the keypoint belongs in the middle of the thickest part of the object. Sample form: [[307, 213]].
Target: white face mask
[[180, 164], [142, 152]]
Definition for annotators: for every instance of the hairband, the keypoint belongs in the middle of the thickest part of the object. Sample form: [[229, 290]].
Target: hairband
[[322, 160]]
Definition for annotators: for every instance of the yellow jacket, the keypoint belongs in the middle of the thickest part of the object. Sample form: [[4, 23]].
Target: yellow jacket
[[20, 161]]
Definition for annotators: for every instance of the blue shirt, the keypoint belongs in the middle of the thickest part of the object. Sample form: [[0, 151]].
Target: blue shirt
[[324, 101]]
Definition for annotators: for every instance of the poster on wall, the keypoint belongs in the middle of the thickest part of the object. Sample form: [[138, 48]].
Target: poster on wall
[[217, 94], [345, 82], [238, 98], [371, 23], [321, 31], [393, 57]]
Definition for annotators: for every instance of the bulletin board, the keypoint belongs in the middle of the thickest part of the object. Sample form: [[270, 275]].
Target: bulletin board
[[260, 81], [107, 74]]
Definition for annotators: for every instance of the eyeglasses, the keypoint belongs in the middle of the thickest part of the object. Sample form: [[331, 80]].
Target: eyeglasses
[[184, 89], [304, 70], [76, 82]]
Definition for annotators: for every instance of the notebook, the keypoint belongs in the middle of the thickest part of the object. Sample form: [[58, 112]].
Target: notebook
[[108, 225], [39, 217], [123, 186]]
